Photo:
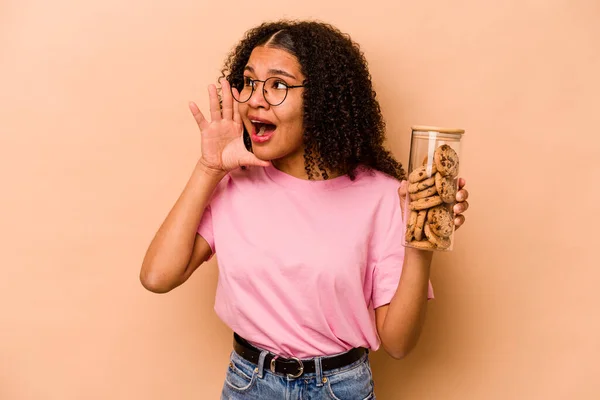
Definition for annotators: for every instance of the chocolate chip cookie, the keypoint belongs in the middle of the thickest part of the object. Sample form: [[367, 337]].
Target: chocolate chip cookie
[[421, 173], [424, 184], [425, 203], [430, 191], [440, 221], [422, 244], [439, 242], [410, 227], [419, 224], [446, 161], [446, 188]]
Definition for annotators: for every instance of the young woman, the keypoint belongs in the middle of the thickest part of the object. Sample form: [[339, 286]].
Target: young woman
[[296, 194]]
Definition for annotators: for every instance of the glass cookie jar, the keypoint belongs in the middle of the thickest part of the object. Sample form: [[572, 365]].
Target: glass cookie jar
[[432, 186]]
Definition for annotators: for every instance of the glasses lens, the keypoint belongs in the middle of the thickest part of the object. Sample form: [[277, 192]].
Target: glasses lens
[[275, 91], [244, 89]]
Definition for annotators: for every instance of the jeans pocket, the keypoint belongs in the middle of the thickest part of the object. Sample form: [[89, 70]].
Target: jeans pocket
[[353, 384], [239, 378]]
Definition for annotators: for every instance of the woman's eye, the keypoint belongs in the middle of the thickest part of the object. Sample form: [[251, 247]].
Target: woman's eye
[[279, 85], [248, 82]]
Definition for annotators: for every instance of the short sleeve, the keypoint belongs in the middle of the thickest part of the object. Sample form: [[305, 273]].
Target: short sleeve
[[389, 251], [205, 228]]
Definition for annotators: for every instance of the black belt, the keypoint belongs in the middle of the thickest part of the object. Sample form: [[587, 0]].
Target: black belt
[[294, 367]]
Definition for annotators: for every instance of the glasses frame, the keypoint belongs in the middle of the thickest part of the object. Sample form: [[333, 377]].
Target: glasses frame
[[263, 90]]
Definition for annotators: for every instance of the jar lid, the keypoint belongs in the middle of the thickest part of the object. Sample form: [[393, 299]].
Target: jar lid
[[425, 128]]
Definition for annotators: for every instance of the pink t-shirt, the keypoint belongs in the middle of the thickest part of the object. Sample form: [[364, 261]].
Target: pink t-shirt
[[303, 264]]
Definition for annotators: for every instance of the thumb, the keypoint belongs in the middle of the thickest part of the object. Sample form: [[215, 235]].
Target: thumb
[[403, 197], [249, 159]]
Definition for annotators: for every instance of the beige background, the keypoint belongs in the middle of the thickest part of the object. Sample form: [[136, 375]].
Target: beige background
[[97, 143]]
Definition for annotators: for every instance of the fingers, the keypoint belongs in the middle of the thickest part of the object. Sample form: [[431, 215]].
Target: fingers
[[458, 221], [215, 107], [462, 195], [227, 100], [462, 204], [461, 207], [236, 109], [200, 120]]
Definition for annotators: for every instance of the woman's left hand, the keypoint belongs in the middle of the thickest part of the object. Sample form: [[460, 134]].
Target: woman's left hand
[[459, 208], [461, 204]]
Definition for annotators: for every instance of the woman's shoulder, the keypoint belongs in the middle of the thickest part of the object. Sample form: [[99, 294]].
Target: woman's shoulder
[[376, 179], [236, 184], [377, 188]]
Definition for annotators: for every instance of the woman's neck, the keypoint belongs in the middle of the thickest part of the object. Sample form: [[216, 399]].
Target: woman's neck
[[294, 166]]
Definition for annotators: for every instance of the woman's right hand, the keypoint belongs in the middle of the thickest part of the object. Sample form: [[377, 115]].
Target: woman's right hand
[[222, 141]]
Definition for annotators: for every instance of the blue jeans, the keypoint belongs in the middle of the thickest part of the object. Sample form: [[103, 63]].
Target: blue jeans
[[246, 380]]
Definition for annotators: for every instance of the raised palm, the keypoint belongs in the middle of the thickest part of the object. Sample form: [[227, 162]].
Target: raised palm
[[222, 141]]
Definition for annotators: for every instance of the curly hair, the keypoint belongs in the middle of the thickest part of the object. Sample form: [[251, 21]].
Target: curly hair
[[343, 125]]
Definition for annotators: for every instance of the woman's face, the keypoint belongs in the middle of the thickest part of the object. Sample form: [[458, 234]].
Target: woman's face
[[276, 131]]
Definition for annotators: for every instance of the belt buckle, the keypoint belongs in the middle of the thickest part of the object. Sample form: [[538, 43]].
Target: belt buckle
[[300, 367], [293, 376]]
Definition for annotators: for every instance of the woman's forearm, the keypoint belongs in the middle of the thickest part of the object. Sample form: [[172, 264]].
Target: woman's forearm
[[406, 312], [170, 251]]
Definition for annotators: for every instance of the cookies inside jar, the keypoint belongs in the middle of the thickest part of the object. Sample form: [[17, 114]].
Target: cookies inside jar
[[432, 187]]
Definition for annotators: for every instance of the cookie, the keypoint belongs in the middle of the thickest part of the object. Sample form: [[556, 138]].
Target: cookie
[[422, 244], [410, 227], [440, 221], [427, 202], [421, 173], [439, 242], [430, 191], [446, 161], [445, 188], [424, 184], [419, 224]]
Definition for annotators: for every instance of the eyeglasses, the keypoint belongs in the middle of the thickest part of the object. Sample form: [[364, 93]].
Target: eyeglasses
[[274, 90]]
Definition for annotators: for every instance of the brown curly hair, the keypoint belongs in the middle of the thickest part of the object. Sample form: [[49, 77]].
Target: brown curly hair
[[343, 125]]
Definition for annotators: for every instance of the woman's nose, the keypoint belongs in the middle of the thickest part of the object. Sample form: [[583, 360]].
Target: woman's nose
[[257, 99]]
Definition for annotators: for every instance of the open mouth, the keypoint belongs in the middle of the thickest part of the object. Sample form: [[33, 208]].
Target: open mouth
[[262, 131]]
